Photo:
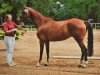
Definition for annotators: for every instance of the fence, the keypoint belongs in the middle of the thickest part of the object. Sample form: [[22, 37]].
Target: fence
[[31, 27], [27, 27], [96, 25]]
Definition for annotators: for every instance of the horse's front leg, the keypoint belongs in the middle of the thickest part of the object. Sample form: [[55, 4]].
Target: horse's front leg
[[47, 52], [41, 52]]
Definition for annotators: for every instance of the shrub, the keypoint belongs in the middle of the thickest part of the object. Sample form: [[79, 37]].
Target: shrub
[[17, 35], [2, 34]]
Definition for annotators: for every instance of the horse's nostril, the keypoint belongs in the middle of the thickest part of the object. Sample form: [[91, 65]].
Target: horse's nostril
[[23, 12]]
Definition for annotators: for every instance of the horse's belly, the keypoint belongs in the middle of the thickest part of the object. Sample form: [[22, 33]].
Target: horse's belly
[[58, 34], [58, 39], [61, 35]]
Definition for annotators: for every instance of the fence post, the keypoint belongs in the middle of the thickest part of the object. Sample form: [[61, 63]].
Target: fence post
[[31, 27], [95, 26]]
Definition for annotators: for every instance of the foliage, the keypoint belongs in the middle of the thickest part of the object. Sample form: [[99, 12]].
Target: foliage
[[18, 34], [56, 9], [2, 34], [76, 8]]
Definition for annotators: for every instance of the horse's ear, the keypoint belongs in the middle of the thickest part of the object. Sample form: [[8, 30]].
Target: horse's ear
[[24, 6]]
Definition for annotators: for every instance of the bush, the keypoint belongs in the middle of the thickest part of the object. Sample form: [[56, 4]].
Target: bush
[[2, 34], [17, 35]]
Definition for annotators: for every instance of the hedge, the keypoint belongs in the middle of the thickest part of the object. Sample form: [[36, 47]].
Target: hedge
[[18, 34]]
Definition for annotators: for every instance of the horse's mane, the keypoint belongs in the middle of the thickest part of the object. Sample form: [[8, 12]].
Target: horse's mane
[[36, 13], [39, 15]]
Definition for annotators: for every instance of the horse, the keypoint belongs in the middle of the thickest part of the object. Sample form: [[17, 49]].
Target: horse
[[51, 30]]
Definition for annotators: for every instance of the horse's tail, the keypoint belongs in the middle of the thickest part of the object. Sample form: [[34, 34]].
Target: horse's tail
[[90, 39]]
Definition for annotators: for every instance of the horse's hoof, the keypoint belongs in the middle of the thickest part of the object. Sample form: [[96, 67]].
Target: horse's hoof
[[82, 65], [46, 64], [39, 64]]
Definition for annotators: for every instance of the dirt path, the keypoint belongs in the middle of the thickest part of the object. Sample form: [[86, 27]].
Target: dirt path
[[26, 56]]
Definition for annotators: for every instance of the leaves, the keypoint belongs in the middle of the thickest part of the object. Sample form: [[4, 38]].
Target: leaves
[[62, 10], [18, 34], [5, 7]]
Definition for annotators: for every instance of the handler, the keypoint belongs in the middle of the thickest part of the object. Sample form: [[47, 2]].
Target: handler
[[9, 28]]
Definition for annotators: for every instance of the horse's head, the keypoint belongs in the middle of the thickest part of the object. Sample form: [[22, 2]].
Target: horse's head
[[24, 14], [35, 16]]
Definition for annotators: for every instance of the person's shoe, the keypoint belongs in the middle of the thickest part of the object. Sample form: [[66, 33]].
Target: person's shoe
[[10, 64], [13, 63]]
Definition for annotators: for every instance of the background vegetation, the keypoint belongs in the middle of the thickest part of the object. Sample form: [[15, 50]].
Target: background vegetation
[[55, 9]]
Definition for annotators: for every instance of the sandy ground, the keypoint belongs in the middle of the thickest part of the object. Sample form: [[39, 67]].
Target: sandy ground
[[26, 56]]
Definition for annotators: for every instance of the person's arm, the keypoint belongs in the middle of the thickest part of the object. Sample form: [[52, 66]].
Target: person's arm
[[15, 25], [18, 26]]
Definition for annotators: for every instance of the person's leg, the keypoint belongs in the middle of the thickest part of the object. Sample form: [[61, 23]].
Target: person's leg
[[9, 49], [13, 46]]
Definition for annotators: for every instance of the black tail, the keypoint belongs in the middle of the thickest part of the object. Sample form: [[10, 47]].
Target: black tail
[[90, 39]]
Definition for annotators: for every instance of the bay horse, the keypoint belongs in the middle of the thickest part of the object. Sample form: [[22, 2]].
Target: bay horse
[[51, 30]]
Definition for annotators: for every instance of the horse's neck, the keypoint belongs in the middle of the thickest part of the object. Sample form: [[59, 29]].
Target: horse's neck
[[38, 18]]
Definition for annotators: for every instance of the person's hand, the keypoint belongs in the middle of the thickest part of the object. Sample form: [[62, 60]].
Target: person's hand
[[21, 25]]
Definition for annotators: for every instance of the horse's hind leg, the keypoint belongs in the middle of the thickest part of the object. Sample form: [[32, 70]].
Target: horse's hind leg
[[41, 52], [84, 52], [84, 60]]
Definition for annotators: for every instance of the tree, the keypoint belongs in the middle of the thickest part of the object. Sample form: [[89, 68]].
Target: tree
[[56, 9]]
